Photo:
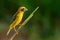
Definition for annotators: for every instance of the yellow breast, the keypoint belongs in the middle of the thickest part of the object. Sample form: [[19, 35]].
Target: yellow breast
[[20, 16]]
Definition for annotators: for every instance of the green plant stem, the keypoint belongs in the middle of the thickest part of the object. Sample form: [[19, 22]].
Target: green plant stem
[[27, 19]]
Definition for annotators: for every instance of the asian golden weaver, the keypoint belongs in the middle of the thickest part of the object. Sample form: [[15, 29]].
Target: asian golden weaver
[[18, 19]]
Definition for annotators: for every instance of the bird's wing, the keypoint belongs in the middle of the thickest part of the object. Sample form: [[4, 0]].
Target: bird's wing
[[13, 17]]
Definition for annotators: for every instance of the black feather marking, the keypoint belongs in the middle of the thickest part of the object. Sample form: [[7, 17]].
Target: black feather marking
[[22, 9]]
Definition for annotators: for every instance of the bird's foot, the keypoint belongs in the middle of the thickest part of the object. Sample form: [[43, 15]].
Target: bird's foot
[[15, 30], [19, 25]]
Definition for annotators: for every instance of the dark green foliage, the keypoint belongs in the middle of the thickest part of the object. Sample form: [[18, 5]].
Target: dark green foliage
[[44, 25]]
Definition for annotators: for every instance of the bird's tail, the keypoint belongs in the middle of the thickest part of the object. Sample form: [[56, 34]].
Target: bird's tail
[[8, 32]]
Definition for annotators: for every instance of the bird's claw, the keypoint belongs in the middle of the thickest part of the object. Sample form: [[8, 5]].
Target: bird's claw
[[15, 30]]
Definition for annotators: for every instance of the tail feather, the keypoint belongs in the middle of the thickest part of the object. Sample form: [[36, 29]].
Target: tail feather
[[10, 28], [8, 32]]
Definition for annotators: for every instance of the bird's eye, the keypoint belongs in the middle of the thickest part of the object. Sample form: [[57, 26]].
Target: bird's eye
[[22, 9]]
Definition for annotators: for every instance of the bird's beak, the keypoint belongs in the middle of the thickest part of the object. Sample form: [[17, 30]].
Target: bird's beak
[[26, 9]]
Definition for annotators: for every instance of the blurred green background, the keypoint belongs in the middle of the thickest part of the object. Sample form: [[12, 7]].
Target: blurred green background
[[44, 25]]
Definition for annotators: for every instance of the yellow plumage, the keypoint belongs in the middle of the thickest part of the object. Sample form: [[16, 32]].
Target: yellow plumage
[[18, 18]]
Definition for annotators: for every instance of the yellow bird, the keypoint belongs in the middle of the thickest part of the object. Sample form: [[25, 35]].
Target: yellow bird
[[18, 18]]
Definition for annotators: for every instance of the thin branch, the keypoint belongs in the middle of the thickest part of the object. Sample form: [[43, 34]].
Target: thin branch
[[27, 19]]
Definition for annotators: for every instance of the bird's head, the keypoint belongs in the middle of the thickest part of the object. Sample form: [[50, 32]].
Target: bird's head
[[23, 9]]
